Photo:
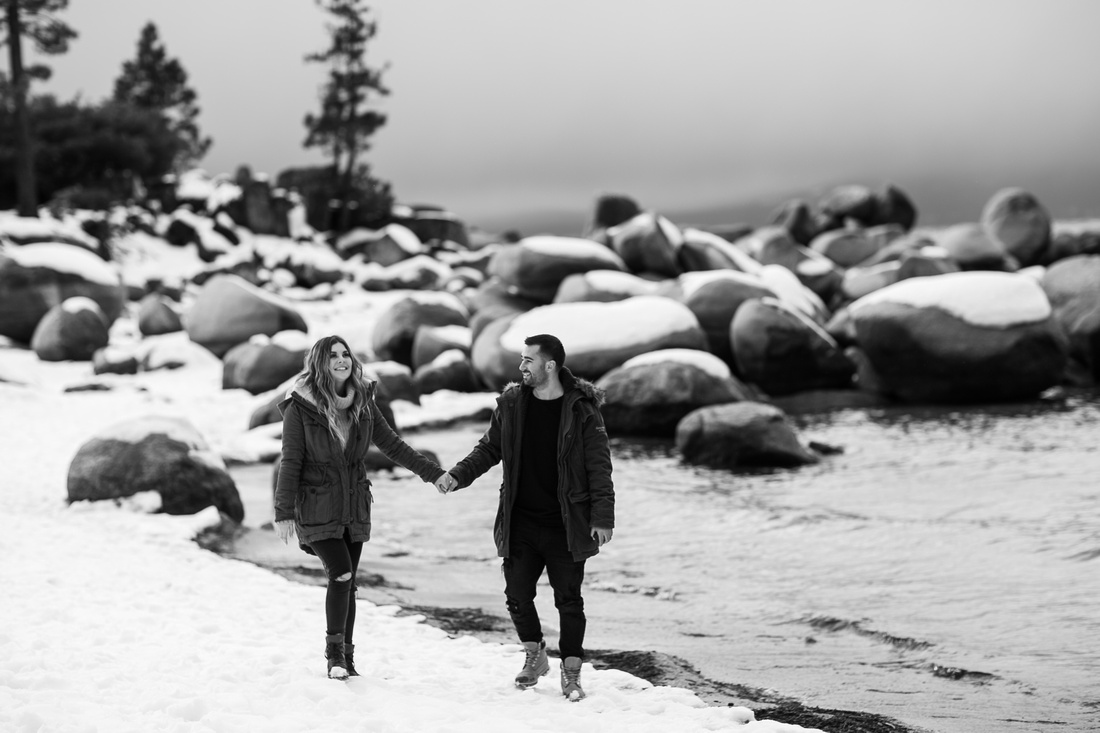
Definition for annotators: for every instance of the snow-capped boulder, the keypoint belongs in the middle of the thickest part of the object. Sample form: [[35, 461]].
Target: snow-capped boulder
[[387, 246], [534, 267], [172, 351], [597, 336], [773, 246], [703, 250], [845, 247], [651, 393], [396, 327], [431, 341], [960, 337], [395, 381], [1016, 221], [713, 297], [263, 363], [115, 360], [740, 434], [157, 315], [648, 243], [162, 454], [36, 277], [71, 331], [229, 311], [860, 281], [782, 351], [25, 230], [450, 370], [973, 249], [1073, 288], [603, 286]]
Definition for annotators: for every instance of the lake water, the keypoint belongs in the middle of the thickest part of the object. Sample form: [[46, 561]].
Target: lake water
[[943, 570]]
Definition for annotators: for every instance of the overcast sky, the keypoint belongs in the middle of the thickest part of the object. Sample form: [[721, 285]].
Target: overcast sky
[[519, 105]]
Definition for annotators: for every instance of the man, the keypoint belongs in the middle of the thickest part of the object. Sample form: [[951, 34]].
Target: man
[[557, 501]]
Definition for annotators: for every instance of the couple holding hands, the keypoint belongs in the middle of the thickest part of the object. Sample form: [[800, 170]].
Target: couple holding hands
[[557, 500]]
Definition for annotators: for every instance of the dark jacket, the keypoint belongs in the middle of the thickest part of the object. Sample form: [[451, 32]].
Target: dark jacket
[[325, 489], [585, 490]]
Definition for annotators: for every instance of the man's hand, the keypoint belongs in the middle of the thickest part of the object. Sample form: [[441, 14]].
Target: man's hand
[[446, 483], [284, 529], [601, 535]]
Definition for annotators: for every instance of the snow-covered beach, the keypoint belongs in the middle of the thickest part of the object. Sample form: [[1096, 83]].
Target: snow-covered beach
[[115, 620]]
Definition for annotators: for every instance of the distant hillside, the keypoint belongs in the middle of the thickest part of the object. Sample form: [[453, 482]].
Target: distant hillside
[[939, 201]]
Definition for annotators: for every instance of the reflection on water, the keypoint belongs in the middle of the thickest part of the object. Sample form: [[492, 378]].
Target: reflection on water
[[942, 569]]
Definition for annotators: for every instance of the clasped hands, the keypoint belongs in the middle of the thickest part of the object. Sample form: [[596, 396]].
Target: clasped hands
[[446, 483]]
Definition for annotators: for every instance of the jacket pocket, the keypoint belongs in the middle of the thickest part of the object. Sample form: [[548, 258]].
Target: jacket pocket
[[363, 499], [315, 506]]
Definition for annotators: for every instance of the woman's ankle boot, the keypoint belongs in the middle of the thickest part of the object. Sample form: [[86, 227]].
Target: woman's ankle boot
[[349, 657], [334, 653]]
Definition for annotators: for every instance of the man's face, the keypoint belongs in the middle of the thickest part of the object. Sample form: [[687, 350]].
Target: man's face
[[532, 365]]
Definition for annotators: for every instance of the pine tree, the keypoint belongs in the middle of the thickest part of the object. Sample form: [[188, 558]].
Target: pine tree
[[347, 120], [33, 19], [153, 81]]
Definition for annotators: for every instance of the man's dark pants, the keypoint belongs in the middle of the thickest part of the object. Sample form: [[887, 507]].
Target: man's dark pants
[[533, 548]]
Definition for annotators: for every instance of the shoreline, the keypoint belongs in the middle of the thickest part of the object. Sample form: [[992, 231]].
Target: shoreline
[[655, 667]]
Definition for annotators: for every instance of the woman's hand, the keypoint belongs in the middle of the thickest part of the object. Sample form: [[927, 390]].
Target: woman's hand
[[284, 530]]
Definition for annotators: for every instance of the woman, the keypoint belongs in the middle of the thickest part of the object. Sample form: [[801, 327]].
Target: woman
[[323, 493]]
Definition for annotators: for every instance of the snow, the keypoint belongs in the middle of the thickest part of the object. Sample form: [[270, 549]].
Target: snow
[[572, 248], [117, 621], [41, 229], [586, 327], [451, 356], [67, 258], [992, 299], [461, 335], [79, 303], [791, 291], [144, 257], [702, 360], [617, 281], [691, 282]]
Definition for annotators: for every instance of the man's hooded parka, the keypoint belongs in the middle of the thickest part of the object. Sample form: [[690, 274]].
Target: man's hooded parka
[[324, 488], [585, 489]]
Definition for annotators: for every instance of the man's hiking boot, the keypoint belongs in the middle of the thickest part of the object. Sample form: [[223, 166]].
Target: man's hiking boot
[[537, 665], [349, 657], [571, 679], [334, 653]]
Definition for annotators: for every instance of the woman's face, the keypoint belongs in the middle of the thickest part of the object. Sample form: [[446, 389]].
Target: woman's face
[[339, 363]]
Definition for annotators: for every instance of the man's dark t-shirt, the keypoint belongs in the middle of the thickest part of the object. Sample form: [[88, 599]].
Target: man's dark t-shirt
[[537, 498]]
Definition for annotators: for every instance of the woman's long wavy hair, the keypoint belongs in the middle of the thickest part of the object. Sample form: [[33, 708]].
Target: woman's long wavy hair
[[317, 377]]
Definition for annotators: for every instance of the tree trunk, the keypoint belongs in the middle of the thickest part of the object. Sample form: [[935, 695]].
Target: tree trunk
[[24, 151]]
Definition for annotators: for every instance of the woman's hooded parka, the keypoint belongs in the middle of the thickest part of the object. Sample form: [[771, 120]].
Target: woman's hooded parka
[[324, 488]]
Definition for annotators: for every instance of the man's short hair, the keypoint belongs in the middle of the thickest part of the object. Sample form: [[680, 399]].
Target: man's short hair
[[549, 346]]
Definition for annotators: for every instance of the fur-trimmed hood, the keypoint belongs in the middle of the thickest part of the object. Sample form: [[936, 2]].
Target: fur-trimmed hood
[[569, 382]]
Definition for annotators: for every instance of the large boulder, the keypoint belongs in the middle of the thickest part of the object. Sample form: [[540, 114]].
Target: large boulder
[[451, 370], [648, 243], [387, 246], [229, 311], [714, 297], [1016, 221], [597, 336], [602, 286], [740, 434], [535, 267], [703, 250], [431, 341], [774, 246], [71, 331], [960, 337], [848, 202], [263, 363], [969, 246], [1073, 288], [157, 315], [491, 301], [162, 454], [782, 351], [846, 247], [395, 380], [651, 393], [396, 327], [36, 277], [115, 360]]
